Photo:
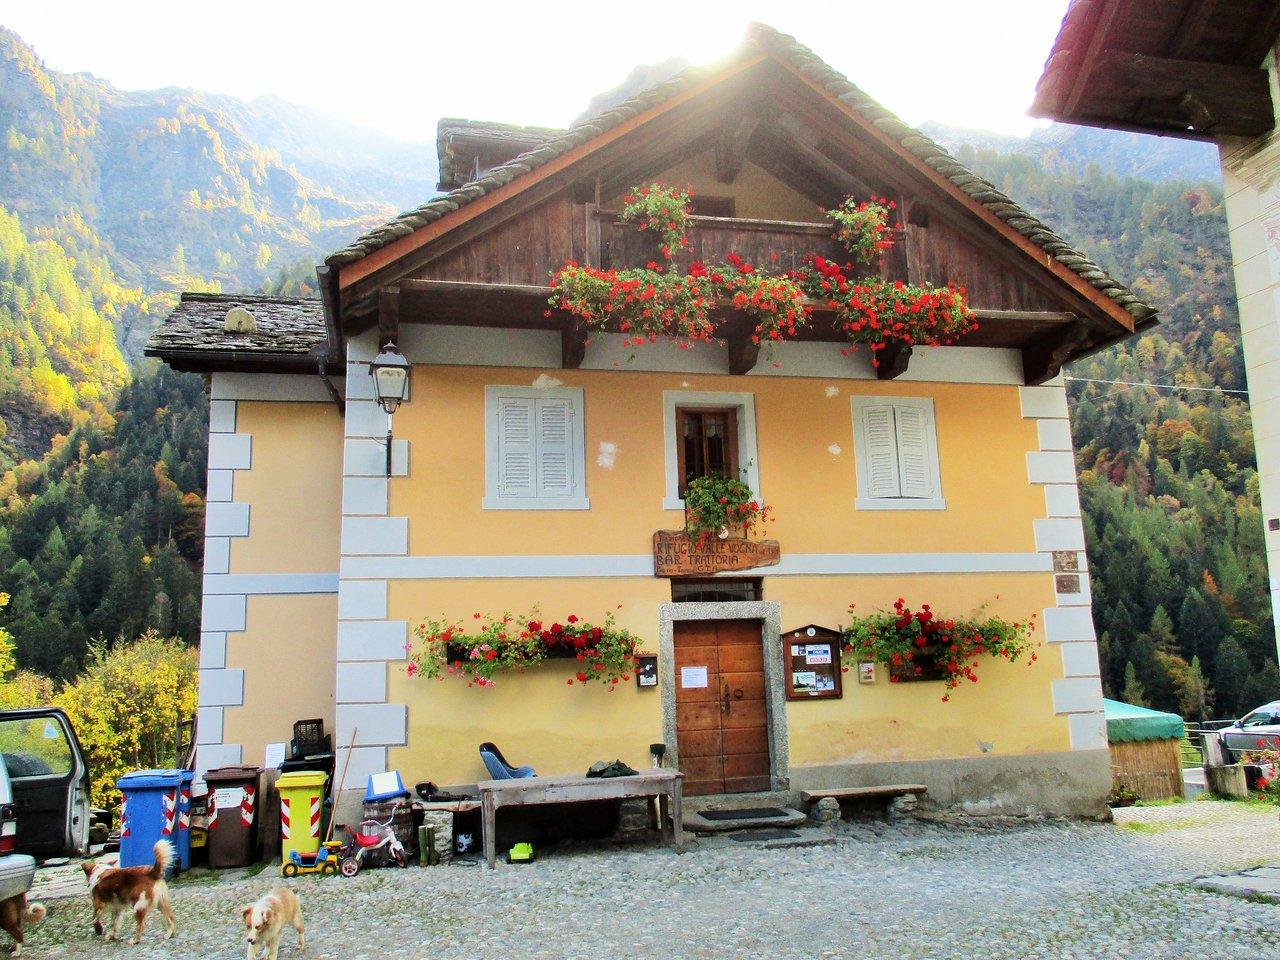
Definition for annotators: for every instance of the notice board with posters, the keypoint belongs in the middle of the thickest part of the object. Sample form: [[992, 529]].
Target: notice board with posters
[[811, 658]]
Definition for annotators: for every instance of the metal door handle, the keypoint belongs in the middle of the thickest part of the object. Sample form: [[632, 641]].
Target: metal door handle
[[727, 708]]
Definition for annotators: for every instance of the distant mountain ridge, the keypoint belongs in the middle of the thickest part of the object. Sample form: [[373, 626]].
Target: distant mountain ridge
[[1124, 154], [184, 188]]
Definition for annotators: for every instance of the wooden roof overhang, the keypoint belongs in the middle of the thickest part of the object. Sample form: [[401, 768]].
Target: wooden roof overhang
[[806, 125], [524, 307], [1182, 68]]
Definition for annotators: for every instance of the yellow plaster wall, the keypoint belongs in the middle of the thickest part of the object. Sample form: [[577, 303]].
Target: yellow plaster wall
[[288, 652], [537, 718], [757, 195], [294, 488], [982, 447]]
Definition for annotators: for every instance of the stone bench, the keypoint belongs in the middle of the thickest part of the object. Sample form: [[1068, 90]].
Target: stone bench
[[893, 792]]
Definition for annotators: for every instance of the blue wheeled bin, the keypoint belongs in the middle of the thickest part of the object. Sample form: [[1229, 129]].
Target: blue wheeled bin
[[152, 810]]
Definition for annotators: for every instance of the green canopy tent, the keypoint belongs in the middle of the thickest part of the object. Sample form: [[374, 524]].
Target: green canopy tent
[[1144, 749], [1129, 724]]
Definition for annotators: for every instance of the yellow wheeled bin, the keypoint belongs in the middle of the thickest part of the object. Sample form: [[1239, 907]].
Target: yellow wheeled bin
[[301, 809]]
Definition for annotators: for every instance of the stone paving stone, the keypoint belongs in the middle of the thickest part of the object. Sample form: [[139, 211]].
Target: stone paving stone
[[906, 890]]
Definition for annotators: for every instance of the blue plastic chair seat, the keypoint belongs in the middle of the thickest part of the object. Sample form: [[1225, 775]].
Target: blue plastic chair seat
[[498, 767]]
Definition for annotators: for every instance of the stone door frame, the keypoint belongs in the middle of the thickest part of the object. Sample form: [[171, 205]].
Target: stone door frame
[[769, 614]]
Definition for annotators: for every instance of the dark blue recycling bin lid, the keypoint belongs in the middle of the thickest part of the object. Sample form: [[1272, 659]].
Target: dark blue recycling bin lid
[[142, 779]]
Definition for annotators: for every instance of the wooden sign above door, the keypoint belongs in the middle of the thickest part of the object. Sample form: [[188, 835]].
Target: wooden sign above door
[[676, 554]]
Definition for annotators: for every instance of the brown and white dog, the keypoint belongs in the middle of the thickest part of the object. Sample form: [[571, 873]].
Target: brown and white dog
[[13, 913], [265, 920], [117, 890]]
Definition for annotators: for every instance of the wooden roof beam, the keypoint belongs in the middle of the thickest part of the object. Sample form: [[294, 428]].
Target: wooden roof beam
[[1219, 97], [808, 144], [1105, 16], [731, 146], [1262, 36]]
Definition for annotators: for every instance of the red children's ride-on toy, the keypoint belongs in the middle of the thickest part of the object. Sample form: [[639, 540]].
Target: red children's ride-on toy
[[373, 843]]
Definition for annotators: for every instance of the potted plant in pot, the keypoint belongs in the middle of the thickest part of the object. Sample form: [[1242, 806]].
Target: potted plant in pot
[[720, 506]]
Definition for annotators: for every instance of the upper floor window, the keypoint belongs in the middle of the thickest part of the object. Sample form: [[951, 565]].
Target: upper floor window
[[707, 434], [534, 449], [896, 448], [708, 444]]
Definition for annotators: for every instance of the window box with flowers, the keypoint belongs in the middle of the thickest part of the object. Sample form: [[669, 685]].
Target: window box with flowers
[[479, 651], [918, 645]]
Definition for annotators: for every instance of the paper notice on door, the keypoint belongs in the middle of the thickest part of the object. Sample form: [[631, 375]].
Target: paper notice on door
[[817, 653], [692, 677], [228, 797]]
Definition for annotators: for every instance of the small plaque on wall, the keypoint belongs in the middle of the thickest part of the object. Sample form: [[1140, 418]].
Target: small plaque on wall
[[646, 670], [811, 661]]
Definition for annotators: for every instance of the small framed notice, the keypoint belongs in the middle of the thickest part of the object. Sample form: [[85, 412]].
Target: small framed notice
[[646, 671], [811, 656], [693, 677]]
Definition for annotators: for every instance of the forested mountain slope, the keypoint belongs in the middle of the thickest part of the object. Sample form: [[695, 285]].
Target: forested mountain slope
[[1168, 480]]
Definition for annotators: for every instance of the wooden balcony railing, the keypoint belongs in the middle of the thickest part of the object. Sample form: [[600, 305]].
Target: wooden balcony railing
[[775, 245]]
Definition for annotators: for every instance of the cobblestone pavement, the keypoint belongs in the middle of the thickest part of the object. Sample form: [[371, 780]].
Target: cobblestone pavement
[[883, 889]]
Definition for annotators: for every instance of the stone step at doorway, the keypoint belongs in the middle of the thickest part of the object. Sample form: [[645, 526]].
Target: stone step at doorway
[[736, 812]]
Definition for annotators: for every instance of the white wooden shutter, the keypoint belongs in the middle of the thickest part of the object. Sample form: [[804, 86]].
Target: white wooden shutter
[[555, 453], [517, 473], [915, 464], [879, 439]]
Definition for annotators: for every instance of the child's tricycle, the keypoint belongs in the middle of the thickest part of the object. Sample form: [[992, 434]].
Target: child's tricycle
[[372, 843], [324, 861]]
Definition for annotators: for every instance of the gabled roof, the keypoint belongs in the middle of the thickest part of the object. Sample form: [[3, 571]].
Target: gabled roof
[[1014, 220], [288, 329]]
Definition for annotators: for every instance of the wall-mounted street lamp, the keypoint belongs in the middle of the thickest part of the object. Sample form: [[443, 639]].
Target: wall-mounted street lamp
[[390, 372]]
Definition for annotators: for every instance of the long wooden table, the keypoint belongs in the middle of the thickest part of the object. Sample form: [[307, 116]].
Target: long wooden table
[[663, 785]]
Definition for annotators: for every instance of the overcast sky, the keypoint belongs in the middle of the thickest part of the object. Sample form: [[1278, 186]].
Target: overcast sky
[[399, 66]]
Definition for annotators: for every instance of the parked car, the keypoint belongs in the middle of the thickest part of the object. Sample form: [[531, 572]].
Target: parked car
[[49, 781], [17, 870], [1257, 730]]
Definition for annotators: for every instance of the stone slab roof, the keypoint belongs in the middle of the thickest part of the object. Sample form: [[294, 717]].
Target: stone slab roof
[[514, 139], [806, 62], [288, 328]]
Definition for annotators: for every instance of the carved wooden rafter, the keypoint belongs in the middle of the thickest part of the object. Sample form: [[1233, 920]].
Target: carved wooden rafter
[[1043, 360], [389, 316], [736, 331], [892, 360], [573, 347]]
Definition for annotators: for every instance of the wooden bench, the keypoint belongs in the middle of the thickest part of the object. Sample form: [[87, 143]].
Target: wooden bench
[[665, 785], [845, 794]]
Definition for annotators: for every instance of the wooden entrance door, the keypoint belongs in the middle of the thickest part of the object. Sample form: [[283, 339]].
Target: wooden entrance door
[[721, 721]]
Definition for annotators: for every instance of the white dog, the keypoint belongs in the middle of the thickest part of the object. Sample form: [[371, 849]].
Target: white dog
[[265, 920]]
